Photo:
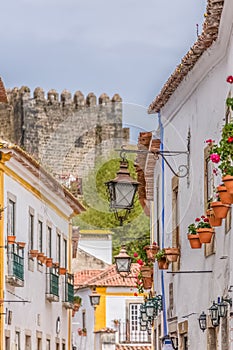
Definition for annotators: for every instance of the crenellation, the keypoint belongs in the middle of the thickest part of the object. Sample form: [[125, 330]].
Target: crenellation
[[67, 135], [91, 99]]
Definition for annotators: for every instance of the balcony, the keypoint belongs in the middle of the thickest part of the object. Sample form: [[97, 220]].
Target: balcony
[[131, 333], [15, 275], [68, 291], [52, 285]]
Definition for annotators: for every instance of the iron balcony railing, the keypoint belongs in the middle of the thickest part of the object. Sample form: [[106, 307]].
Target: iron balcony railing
[[52, 286], [69, 288], [131, 333], [16, 266]]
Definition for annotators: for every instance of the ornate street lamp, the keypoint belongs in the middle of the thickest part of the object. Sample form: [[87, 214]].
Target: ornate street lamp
[[222, 306], [121, 192], [214, 314], [143, 312], [94, 298], [123, 262], [202, 321], [150, 308]]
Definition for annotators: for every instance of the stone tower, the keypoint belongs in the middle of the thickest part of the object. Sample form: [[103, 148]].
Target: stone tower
[[66, 134]]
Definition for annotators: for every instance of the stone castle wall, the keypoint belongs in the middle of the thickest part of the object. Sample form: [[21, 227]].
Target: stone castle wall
[[67, 134]]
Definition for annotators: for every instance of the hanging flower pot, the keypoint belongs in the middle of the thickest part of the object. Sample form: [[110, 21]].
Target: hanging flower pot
[[225, 196], [163, 263], [172, 254], [11, 239], [212, 219], [205, 234], [151, 251], [194, 241], [33, 253], [62, 270], [147, 276], [228, 182], [220, 209], [49, 262]]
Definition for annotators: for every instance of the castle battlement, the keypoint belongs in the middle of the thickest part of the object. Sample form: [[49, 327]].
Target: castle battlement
[[64, 99]]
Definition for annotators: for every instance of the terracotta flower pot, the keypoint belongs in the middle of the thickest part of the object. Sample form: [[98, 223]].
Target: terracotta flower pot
[[11, 239], [151, 251], [163, 264], [194, 241], [147, 276], [212, 219], [62, 270], [220, 209], [40, 257], [205, 234], [225, 196], [21, 244], [172, 254], [228, 182], [33, 253], [49, 262]]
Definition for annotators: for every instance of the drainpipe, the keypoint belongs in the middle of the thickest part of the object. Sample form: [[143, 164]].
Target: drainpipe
[[162, 216]]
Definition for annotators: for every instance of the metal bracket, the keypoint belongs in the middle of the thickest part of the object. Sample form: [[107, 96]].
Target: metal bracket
[[183, 169]]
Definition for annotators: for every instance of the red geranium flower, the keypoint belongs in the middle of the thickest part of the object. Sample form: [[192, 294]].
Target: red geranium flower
[[135, 294], [140, 262], [206, 220], [230, 139], [215, 157], [203, 216], [135, 255], [197, 219], [230, 79]]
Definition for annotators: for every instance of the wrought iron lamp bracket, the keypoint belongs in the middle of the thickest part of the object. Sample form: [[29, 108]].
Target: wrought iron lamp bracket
[[183, 169]]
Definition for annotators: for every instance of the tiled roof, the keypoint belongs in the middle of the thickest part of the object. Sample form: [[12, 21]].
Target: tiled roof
[[133, 347], [109, 278], [205, 39], [81, 277], [3, 95]]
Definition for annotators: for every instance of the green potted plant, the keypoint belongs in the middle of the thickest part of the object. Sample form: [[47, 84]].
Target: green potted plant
[[77, 300], [162, 260], [144, 279], [193, 237], [204, 229], [151, 251]]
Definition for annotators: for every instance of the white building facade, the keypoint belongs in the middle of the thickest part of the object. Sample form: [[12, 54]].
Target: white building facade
[[192, 104], [36, 296]]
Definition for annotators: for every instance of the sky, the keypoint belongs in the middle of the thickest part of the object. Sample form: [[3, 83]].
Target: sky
[[129, 47]]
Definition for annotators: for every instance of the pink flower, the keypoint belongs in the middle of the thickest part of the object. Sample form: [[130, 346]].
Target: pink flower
[[230, 139], [140, 262], [230, 79], [215, 157], [197, 219], [209, 141], [135, 255]]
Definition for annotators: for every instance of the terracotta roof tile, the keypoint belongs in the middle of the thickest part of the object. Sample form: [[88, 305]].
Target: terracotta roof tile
[[133, 347], [109, 278], [3, 95], [208, 36]]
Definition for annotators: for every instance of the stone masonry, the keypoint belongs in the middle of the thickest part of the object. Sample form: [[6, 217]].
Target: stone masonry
[[67, 135]]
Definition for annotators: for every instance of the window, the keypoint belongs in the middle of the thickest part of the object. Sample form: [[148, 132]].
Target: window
[[157, 213], [11, 217], [135, 334], [175, 220], [65, 252], [31, 228], [28, 342], [49, 242], [83, 319], [40, 235], [59, 248], [48, 344], [17, 341]]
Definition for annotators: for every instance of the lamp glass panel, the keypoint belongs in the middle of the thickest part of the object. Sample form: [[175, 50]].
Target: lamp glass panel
[[95, 300], [124, 195], [144, 316], [150, 308], [222, 309], [123, 264], [143, 328]]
